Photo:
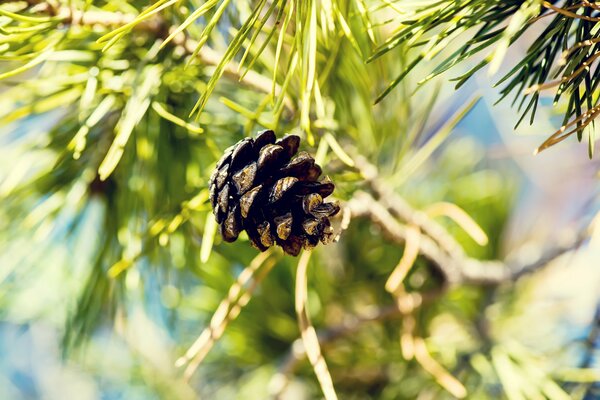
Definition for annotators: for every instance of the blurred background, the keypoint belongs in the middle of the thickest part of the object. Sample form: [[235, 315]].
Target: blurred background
[[108, 278]]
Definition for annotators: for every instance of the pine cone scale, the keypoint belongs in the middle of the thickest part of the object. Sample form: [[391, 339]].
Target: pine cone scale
[[284, 225], [310, 201], [290, 143], [247, 200], [222, 204], [244, 178], [270, 155], [265, 138], [230, 228], [302, 167], [241, 154], [281, 188], [310, 226], [266, 239]]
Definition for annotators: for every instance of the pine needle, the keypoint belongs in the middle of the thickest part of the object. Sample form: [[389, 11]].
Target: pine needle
[[307, 331], [164, 113], [210, 229], [338, 150], [237, 298], [411, 252], [460, 216], [134, 111], [441, 375]]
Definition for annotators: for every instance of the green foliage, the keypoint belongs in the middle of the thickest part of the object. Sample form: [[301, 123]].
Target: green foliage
[[115, 112], [562, 55]]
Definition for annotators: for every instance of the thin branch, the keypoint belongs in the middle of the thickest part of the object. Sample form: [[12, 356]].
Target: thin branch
[[457, 269], [568, 13], [364, 205], [402, 210], [575, 243], [436, 244]]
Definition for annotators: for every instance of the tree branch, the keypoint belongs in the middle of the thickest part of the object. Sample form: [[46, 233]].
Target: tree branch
[[455, 269], [437, 245]]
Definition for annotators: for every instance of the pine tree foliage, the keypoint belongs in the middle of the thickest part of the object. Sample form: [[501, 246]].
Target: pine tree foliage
[[115, 113], [562, 56]]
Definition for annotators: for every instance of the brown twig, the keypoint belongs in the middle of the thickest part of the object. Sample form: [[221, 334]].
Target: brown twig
[[399, 208], [452, 266], [456, 268], [387, 208]]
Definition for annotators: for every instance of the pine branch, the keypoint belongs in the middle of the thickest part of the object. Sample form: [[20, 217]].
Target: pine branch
[[454, 269], [157, 26], [437, 245], [563, 56]]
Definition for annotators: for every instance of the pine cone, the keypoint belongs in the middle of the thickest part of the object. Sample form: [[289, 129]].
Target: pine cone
[[258, 187]]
